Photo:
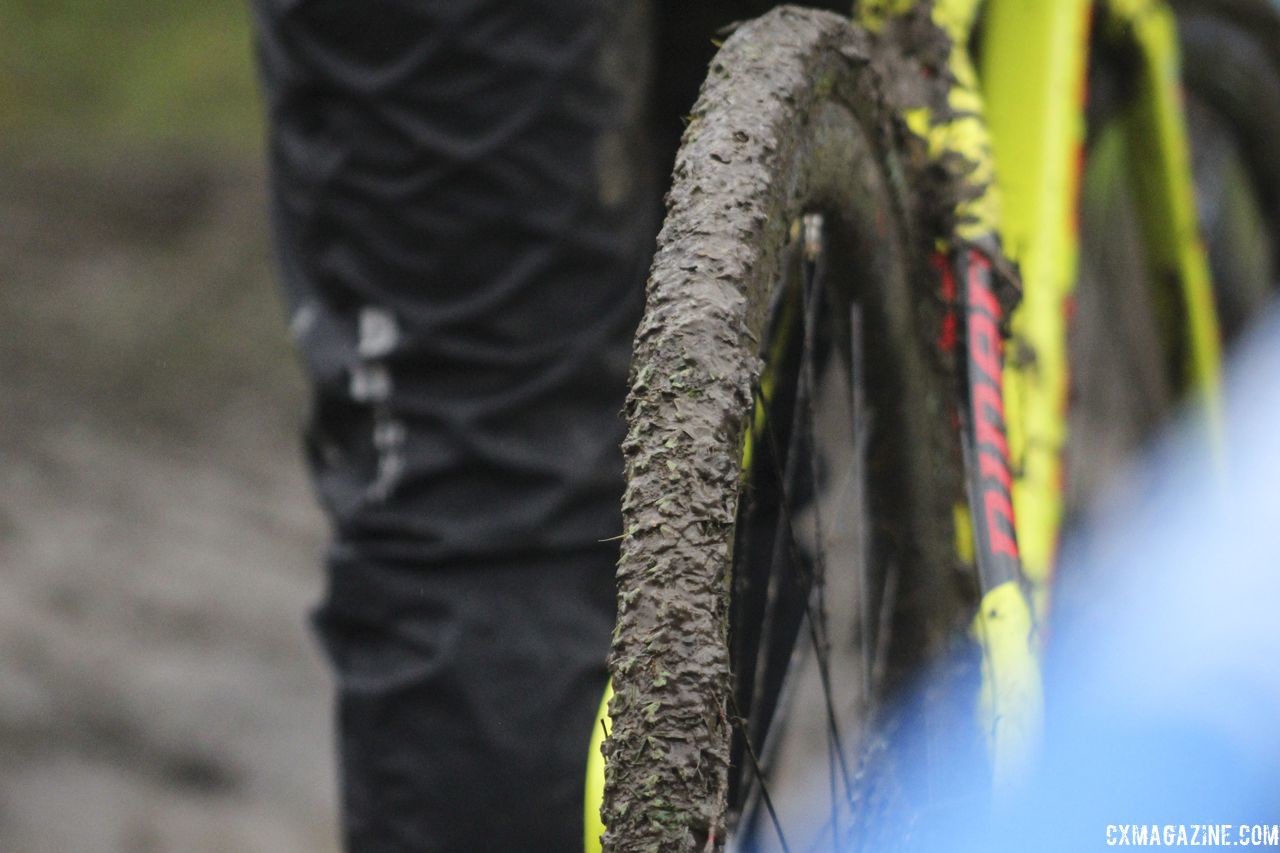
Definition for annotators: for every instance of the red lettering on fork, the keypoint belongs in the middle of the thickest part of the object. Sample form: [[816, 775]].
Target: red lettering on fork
[[988, 414], [991, 446], [998, 507]]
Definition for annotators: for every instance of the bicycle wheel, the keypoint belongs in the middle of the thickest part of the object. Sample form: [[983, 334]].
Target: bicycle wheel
[[1231, 72], [792, 466], [1124, 386]]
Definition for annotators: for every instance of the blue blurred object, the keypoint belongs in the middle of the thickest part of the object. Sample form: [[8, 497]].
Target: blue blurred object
[[1163, 677], [1163, 667]]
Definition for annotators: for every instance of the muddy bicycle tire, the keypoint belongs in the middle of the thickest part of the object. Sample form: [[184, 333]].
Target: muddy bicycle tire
[[792, 122]]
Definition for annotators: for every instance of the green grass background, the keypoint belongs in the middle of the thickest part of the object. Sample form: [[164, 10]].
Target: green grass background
[[80, 75]]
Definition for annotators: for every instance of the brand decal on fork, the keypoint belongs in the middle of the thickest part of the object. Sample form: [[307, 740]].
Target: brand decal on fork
[[986, 447]]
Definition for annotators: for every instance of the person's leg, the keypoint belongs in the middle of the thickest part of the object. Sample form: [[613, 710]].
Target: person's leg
[[465, 198], [464, 214], [467, 696]]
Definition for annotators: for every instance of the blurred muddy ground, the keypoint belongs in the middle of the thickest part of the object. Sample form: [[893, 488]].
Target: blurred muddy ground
[[159, 690], [158, 542]]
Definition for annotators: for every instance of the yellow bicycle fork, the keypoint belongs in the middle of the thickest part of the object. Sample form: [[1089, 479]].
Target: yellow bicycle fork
[[1025, 111]]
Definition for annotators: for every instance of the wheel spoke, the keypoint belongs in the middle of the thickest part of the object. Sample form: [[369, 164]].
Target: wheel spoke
[[858, 417], [811, 576], [758, 772], [815, 267]]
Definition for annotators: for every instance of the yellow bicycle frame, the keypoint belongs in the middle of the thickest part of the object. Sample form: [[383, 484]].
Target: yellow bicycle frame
[[1021, 106], [1035, 54]]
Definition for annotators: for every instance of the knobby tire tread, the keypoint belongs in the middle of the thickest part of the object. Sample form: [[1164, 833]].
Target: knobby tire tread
[[747, 166]]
